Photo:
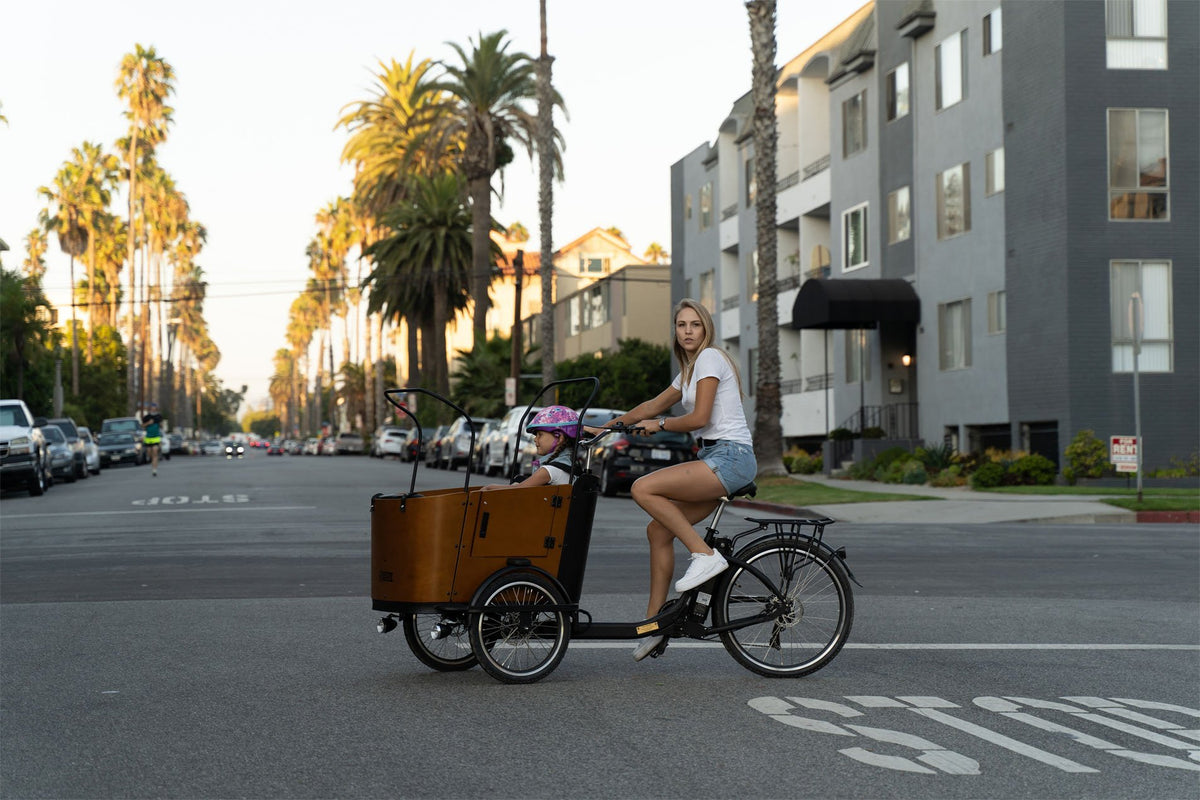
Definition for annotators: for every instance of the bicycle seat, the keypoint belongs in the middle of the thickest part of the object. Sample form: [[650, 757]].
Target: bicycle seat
[[749, 490]]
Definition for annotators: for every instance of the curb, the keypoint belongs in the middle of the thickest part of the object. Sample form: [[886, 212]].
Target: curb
[[1168, 516]]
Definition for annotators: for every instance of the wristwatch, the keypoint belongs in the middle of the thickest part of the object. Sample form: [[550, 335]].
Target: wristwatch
[[662, 423]]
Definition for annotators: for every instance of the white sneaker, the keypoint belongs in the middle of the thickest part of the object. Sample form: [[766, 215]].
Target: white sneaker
[[701, 569], [645, 647]]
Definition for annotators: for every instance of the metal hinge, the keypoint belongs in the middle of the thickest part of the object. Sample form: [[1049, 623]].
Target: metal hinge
[[549, 542], [556, 501]]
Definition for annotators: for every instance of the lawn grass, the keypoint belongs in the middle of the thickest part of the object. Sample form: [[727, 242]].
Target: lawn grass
[[1156, 503], [793, 492], [1081, 490]]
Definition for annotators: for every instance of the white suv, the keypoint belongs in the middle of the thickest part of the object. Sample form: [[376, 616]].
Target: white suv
[[498, 449]]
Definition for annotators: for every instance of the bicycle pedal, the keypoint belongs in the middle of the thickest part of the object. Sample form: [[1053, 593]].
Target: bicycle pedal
[[662, 648]]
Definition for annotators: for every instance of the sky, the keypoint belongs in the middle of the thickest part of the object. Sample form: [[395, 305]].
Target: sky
[[260, 85]]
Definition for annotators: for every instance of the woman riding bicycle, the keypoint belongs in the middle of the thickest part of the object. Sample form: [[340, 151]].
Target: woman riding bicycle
[[679, 496]]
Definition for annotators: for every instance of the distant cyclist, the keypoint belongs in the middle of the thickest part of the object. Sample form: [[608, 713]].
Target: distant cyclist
[[152, 422]]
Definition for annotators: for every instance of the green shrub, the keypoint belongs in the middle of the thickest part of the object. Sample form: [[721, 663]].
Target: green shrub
[[874, 432], [885, 458], [1087, 457], [913, 473], [988, 475], [936, 457], [807, 464], [1032, 470], [892, 473], [842, 435], [949, 477]]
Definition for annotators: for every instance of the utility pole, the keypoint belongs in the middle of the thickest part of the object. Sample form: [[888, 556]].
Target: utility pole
[[1135, 322], [518, 264]]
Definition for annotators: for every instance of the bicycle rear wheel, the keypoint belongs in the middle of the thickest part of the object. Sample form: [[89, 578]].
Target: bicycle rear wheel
[[817, 608]]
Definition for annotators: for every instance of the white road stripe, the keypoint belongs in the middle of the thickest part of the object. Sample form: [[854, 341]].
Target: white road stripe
[[589, 644], [231, 507]]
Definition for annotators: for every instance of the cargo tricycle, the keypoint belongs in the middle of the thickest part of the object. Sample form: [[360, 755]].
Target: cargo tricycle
[[494, 577]]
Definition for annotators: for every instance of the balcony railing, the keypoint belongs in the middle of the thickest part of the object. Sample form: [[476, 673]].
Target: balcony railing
[[790, 282], [813, 383], [728, 212], [732, 301], [816, 167], [788, 182]]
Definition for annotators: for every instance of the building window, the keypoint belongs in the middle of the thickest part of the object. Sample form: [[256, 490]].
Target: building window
[[707, 295], [1141, 304], [954, 201], [997, 313], [993, 36], [899, 221], [1137, 164], [751, 183], [954, 335], [858, 352], [854, 238], [949, 71], [574, 316], [687, 206], [1136, 34], [897, 92], [706, 206], [594, 265], [854, 124], [993, 167]]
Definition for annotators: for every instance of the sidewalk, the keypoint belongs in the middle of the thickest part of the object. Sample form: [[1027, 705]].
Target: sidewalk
[[956, 506]]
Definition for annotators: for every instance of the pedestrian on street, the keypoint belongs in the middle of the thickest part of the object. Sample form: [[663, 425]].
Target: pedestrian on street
[[677, 497], [152, 422]]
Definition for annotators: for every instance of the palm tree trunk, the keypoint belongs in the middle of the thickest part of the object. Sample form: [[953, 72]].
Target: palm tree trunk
[[545, 147], [414, 353], [768, 431], [380, 401], [74, 336], [368, 374], [131, 249], [91, 292], [480, 189]]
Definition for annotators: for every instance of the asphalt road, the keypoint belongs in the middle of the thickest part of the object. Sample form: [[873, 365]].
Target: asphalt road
[[208, 633]]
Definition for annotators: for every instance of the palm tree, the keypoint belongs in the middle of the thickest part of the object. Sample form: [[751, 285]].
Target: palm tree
[[768, 431], [144, 83], [303, 320], [281, 388], [35, 255], [490, 89], [516, 233], [66, 195], [99, 175], [422, 266], [656, 253], [617, 232]]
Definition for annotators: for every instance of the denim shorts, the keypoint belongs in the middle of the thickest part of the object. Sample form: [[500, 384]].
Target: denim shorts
[[733, 462]]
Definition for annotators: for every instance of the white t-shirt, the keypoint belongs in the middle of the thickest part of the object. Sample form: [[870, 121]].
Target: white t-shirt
[[728, 419], [559, 468]]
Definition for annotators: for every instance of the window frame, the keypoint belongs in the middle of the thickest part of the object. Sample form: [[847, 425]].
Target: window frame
[[706, 203], [938, 63], [893, 95], [997, 311], [1112, 42], [991, 173], [893, 214], [1118, 315], [861, 98], [946, 356], [940, 202], [993, 32], [1164, 190], [858, 354], [864, 208]]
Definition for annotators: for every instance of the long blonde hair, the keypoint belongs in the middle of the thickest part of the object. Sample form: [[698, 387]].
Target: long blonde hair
[[685, 362]]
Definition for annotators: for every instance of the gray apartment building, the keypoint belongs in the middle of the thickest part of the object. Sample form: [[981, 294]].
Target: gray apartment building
[[987, 217]]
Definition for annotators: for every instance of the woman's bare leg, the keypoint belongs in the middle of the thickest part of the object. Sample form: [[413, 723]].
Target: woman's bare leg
[[665, 495]]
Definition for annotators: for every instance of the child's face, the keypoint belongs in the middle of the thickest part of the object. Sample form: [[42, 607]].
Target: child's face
[[544, 441]]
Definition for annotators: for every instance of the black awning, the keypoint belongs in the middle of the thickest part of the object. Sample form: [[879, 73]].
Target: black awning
[[848, 303]]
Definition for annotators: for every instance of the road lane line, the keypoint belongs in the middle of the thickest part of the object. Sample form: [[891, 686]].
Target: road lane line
[[155, 511], [618, 644]]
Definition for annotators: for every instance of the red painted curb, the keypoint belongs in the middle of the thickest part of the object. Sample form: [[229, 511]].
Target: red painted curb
[[1168, 516]]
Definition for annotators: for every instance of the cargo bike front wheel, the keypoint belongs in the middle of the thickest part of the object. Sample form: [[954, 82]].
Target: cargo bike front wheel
[[521, 630], [440, 641]]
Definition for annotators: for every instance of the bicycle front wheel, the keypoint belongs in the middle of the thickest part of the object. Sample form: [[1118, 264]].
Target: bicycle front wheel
[[815, 608], [440, 642], [521, 633]]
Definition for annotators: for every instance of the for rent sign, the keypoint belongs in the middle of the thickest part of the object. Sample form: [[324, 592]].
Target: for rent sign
[[1123, 453]]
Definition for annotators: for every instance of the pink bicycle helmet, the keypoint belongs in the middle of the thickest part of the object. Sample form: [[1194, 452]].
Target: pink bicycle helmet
[[555, 418]]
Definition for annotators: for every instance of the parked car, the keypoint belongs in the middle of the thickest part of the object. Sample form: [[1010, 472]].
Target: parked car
[[62, 455], [234, 449], [433, 447], [501, 443], [212, 448], [275, 449], [71, 431], [456, 445], [312, 446], [126, 425], [91, 451], [619, 459], [24, 456], [119, 448], [328, 446], [389, 440], [349, 443], [486, 429], [175, 441]]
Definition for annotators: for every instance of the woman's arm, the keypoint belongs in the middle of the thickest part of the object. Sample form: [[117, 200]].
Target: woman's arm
[[706, 395]]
